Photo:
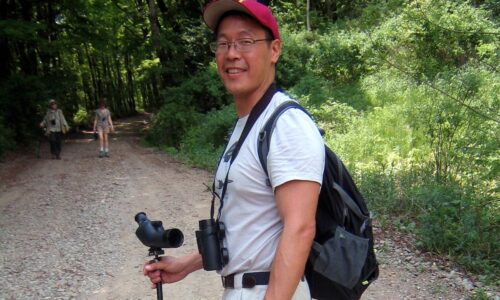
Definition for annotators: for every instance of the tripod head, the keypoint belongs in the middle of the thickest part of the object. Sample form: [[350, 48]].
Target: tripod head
[[152, 234]]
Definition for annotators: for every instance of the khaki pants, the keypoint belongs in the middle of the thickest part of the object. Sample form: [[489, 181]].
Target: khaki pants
[[258, 292]]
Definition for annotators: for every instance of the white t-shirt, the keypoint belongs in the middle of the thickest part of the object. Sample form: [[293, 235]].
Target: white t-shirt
[[253, 224]]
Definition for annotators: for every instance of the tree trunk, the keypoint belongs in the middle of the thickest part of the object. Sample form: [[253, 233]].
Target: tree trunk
[[156, 93], [95, 94], [87, 86], [308, 12], [156, 33], [130, 85]]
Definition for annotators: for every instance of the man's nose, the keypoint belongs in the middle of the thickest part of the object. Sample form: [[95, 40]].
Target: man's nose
[[232, 52]]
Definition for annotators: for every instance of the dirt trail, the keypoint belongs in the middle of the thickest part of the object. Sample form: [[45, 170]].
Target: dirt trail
[[67, 228]]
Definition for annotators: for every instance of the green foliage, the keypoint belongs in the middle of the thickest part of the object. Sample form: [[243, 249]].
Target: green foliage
[[20, 30], [334, 118], [203, 144], [341, 52], [479, 294], [457, 125], [385, 138], [453, 220], [183, 109], [171, 123], [203, 90], [6, 138], [429, 37], [26, 99], [82, 117], [295, 60], [333, 57], [290, 12], [314, 89]]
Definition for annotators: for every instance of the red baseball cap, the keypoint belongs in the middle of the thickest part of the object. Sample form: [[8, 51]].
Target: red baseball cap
[[216, 8]]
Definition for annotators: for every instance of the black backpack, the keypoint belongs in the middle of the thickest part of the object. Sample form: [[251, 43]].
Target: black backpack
[[342, 261]]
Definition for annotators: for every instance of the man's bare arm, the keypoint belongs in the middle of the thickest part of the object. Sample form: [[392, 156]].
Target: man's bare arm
[[297, 202]]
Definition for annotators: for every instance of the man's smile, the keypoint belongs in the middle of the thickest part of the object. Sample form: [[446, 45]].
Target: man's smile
[[235, 70]]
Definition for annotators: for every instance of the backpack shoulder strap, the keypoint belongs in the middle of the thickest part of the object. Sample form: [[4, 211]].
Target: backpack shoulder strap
[[266, 131]]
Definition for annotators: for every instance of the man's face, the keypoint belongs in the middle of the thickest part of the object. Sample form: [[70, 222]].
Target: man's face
[[245, 72]]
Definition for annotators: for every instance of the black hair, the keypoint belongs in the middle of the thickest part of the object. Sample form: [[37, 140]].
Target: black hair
[[267, 31]]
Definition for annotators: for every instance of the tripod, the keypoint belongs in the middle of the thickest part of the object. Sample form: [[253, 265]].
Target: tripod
[[156, 252]]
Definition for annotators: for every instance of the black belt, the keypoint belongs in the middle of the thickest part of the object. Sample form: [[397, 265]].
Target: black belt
[[248, 281]]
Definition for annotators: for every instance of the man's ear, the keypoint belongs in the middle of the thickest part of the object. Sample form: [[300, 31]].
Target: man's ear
[[276, 50]]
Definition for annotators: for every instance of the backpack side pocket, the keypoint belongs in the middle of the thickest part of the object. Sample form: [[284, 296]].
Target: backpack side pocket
[[342, 258]]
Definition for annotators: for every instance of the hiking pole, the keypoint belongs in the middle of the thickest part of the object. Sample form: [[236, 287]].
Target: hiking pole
[[152, 234]]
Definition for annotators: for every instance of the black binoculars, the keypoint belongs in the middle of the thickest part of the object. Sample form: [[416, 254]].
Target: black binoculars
[[152, 234], [209, 239]]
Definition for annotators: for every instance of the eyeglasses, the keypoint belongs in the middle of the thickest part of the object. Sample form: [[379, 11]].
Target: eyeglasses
[[240, 45]]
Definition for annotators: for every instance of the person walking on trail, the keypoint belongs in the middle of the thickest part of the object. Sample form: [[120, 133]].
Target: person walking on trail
[[55, 125], [269, 220], [103, 124]]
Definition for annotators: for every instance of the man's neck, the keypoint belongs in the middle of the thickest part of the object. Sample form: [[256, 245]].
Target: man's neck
[[245, 103]]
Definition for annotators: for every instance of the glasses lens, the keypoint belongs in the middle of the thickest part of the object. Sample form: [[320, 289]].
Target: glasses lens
[[244, 45]]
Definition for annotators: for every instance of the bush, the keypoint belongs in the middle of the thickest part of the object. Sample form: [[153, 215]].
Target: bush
[[184, 107], [453, 221], [381, 140], [203, 144], [204, 91], [313, 89], [82, 118], [334, 118], [169, 125], [6, 138], [23, 101], [295, 60], [339, 57]]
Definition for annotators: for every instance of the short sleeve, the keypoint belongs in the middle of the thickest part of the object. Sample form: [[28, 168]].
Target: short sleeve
[[296, 151]]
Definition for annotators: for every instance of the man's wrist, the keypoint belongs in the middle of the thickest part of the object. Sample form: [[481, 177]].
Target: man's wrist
[[194, 262]]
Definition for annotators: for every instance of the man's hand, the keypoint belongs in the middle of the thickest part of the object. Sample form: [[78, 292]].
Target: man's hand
[[172, 269]]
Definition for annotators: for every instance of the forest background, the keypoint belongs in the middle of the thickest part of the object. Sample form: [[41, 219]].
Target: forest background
[[407, 92]]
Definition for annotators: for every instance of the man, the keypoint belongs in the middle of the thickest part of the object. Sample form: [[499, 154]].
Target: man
[[55, 125], [269, 229]]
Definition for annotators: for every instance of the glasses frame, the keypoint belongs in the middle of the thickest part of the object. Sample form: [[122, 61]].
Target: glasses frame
[[224, 46]]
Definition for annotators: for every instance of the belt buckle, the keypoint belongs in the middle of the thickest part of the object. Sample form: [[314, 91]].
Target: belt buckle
[[249, 281]]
